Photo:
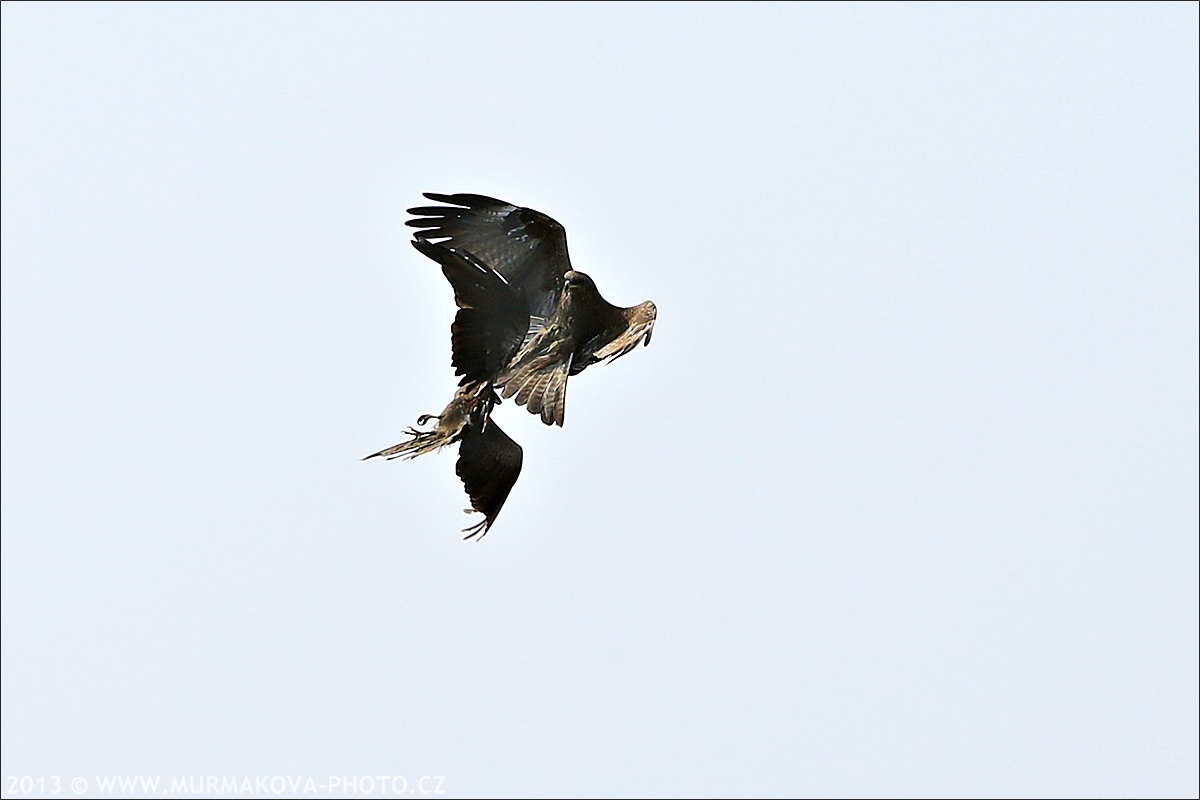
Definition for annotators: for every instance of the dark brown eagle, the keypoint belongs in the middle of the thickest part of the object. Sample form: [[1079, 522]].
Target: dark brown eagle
[[526, 321]]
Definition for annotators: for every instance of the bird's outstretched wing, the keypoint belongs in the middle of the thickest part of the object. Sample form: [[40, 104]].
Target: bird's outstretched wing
[[489, 463], [492, 319], [639, 328], [525, 246]]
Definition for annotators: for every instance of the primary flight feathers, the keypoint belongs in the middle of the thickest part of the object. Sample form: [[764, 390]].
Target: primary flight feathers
[[526, 322]]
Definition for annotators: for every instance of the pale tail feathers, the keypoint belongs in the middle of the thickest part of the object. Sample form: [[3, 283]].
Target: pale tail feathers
[[541, 386], [473, 401], [554, 401], [422, 442], [536, 324]]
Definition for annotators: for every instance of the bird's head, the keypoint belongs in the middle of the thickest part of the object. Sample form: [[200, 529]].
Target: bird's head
[[579, 288], [577, 280]]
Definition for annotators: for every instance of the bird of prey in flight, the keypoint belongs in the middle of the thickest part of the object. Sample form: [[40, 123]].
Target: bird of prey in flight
[[526, 322]]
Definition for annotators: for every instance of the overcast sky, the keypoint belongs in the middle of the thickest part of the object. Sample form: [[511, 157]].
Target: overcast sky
[[901, 499]]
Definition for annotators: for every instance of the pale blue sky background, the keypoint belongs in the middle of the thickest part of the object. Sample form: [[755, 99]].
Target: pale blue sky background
[[902, 498]]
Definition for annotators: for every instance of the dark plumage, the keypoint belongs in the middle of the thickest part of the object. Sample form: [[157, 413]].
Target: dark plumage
[[525, 323], [526, 247], [488, 328], [571, 326], [585, 329], [492, 318], [489, 463]]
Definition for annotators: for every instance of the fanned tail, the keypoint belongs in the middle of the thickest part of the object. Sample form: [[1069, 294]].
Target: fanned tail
[[541, 386], [473, 401], [422, 442]]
